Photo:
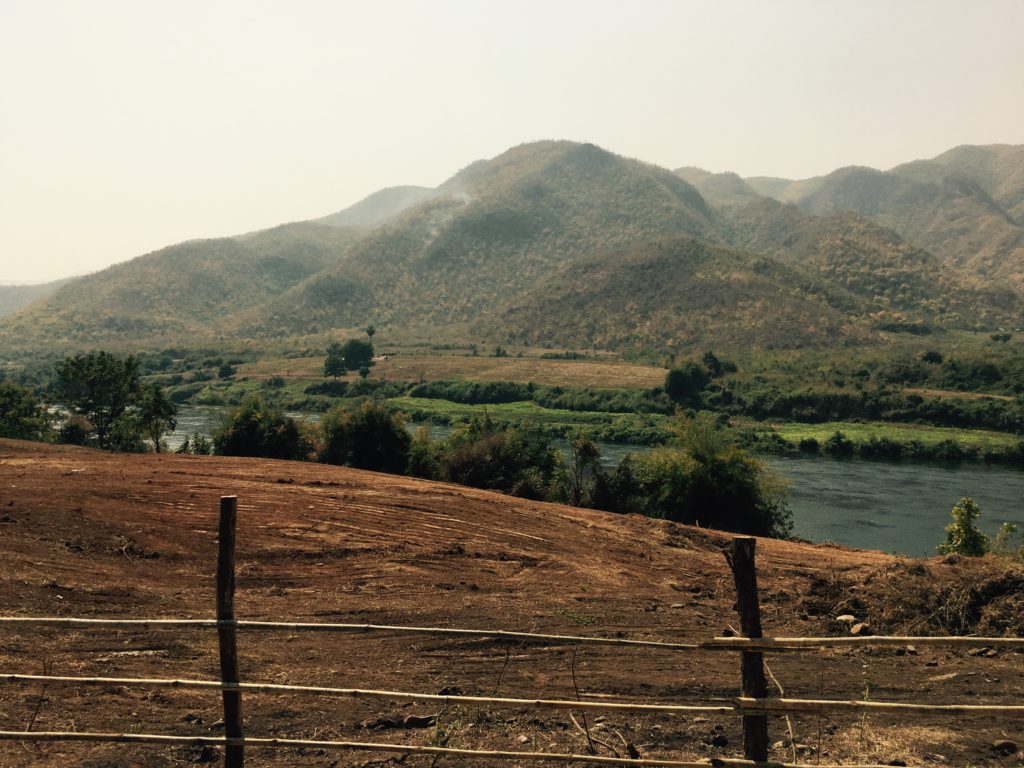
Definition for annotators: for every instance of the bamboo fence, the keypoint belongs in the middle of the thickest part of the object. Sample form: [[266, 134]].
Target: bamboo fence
[[753, 705]]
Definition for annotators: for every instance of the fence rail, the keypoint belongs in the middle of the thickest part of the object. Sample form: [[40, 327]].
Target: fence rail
[[753, 705], [761, 644], [740, 705], [198, 741]]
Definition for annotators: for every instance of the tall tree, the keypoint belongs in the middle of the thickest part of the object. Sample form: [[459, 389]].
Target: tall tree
[[100, 387], [334, 363], [22, 416], [357, 354], [157, 415]]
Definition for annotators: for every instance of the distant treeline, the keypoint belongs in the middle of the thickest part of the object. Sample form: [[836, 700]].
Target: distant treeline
[[882, 448]]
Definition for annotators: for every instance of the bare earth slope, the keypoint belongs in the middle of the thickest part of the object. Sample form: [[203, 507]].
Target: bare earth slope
[[84, 533]]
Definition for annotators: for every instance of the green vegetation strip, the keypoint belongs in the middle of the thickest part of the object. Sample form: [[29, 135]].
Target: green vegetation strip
[[860, 432], [518, 411]]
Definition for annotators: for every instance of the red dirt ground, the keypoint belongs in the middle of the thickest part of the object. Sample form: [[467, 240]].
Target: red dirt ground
[[86, 533]]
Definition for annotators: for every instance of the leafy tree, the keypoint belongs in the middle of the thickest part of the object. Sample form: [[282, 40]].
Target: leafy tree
[[584, 461], [712, 364], [334, 363], [424, 456], [620, 489], [253, 429], [707, 479], [685, 383], [156, 415], [226, 371], [22, 415], [963, 537], [520, 461], [370, 330], [100, 387], [356, 354], [197, 443], [368, 437]]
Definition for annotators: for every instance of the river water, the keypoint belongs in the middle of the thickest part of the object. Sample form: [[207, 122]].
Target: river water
[[900, 508]]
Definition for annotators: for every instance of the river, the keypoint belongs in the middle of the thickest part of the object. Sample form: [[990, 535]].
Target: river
[[893, 507]]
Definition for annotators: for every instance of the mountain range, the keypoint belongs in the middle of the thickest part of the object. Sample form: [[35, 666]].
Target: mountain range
[[566, 244]]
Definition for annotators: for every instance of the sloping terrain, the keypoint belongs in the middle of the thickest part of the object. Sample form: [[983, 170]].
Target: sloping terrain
[[684, 293], [894, 277], [84, 533], [14, 297], [499, 226], [379, 207], [966, 206], [454, 263], [181, 292], [997, 168]]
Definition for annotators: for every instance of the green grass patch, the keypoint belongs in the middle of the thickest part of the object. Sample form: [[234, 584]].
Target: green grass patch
[[860, 432]]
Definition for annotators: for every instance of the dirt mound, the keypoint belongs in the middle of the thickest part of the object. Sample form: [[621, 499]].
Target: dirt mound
[[84, 533]]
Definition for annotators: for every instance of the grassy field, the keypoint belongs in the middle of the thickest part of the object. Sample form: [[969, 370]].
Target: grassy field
[[860, 432], [572, 373]]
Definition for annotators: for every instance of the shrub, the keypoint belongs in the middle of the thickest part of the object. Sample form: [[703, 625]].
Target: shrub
[[331, 388], [368, 436], [707, 479], [253, 429], [484, 456], [963, 537], [809, 445], [22, 415], [196, 444], [838, 444]]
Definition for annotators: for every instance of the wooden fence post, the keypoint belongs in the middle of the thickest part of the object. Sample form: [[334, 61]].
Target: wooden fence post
[[744, 573], [234, 755]]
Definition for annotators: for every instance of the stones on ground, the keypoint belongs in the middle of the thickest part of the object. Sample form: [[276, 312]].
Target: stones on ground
[[1005, 747], [847, 618], [523, 740], [862, 629]]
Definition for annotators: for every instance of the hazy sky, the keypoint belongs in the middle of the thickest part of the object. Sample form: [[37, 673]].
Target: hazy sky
[[127, 126]]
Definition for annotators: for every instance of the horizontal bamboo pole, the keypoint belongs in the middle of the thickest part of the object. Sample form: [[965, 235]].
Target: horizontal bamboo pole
[[211, 741], [740, 705], [765, 644], [832, 705], [806, 643], [358, 693], [499, 634]]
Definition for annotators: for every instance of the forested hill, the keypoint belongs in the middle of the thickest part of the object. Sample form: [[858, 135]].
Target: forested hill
[[566, 243], [14, 297], [966, 206]]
